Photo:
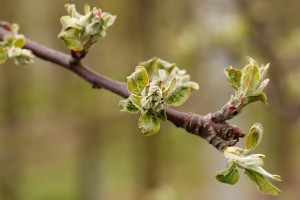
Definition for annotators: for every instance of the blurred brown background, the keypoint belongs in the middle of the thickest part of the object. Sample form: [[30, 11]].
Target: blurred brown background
[[61, 140]]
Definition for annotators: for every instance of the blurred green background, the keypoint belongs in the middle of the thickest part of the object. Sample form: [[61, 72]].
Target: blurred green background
[[61, 140]]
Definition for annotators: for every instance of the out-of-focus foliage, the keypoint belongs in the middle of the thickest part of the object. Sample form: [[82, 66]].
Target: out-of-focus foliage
[[59, 139], [12, 46]]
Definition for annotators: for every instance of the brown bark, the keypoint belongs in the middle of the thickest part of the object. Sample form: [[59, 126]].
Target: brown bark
[[217, 132]]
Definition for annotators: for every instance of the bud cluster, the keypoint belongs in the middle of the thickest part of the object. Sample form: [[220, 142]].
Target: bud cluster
[[152, 97], [81, 32], [168, 86], [248, 84], [12, 46]]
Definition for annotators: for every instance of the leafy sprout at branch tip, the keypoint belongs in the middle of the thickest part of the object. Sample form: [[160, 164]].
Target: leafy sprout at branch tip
[[153, 85], [248, 83], [81, 31], [12, 46], [252, 164]]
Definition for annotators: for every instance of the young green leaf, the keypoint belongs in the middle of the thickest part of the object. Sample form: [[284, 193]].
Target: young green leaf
[[263, 70], [71, 38], [136, 100], [165, 71], [170, 88], [261, 97], [19, 41], [252, 161], [150, 66], [254, 137], [234, 77], [149, 124], [193, 85], [250, 79], [179, 96], [262, 183], [68, 22], [109, 20], [230, 175], [128, 106], [262, 86], [137, 81]]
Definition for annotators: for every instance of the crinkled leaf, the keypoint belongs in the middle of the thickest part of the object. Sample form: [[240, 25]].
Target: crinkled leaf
[[262, 183], [250, 79], [261, 97], [137, 81], [254, 137], [149, 124], [230, 175], [3, 55], [162, 115], [179, 96], [136, 100], [234, 77], [170, 88], [128, 106]]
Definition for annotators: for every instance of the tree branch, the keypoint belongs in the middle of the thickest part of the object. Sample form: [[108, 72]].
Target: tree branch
[[212, 127]]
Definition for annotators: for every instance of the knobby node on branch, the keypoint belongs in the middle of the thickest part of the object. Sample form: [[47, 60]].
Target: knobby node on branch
[[154, 87]]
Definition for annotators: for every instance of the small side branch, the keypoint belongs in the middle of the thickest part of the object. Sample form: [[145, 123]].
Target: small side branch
[[212, 127]]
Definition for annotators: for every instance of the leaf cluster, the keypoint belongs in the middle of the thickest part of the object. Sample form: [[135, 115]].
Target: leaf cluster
[[156, 84], [12, 47], [248, 83], [153, 85], [252, 164], [81, 32]]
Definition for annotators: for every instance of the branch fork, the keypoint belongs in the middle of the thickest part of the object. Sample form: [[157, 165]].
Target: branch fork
[[167, 86], [212, 127]]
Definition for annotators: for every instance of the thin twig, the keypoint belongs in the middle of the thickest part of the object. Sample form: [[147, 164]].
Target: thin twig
[[212, 127]]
